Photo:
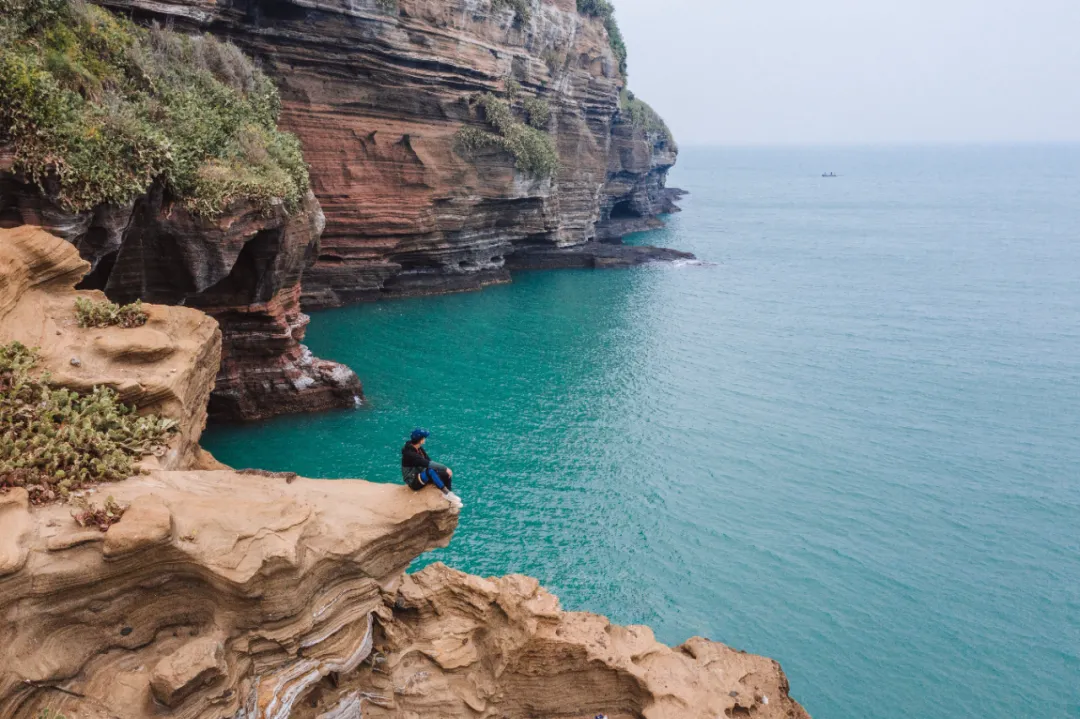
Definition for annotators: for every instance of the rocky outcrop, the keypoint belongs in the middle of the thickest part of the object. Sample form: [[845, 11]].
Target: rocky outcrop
[[461, 646], [377, 90], [635, 193], [242, 268], [593, 255], [218, 591], [217, 594], [165, 367]]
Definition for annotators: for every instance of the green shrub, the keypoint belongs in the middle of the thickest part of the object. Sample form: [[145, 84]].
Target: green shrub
[[605, 10], [54, 440], [537, 112], [522, 9], [643, 117], [98, 108], [102, 313], [390, 7], [533, 150]]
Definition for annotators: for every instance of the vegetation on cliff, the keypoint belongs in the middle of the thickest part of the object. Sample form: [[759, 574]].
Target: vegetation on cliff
[[95, 313], [604, 10], [643, 117], [533, 149], [97, 108], [54, 440], [522, 9]]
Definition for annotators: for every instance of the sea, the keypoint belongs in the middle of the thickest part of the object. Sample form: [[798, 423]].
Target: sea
[[848, 438]]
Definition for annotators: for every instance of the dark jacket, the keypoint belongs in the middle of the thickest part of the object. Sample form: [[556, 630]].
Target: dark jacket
[[413, 461], [412, 456]]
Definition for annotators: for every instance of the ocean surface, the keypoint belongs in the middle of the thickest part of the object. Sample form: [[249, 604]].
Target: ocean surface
[[850, 440]]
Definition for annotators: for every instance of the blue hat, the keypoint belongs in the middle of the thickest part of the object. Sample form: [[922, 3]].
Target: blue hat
[[419, 433]]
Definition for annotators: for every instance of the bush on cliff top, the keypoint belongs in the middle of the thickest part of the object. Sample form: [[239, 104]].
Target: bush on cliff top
[[97, 108], [606, 11], [643, 117], [54, 440], [102, 313], [533, 150]]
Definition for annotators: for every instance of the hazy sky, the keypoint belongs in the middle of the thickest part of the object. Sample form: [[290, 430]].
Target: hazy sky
[[838, 71]]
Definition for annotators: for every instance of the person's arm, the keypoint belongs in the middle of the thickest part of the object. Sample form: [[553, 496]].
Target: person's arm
[[412, 457]]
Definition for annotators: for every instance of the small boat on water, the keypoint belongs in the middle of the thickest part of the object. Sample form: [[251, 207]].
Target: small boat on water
[[828, 174]]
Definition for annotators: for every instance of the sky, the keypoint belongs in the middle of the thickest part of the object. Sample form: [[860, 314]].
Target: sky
[[858, 71]]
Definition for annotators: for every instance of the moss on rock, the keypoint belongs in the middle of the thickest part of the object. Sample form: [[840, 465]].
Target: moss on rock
[[643, 117]]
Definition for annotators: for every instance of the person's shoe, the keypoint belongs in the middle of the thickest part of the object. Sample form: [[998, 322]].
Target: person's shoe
[[454, 500]]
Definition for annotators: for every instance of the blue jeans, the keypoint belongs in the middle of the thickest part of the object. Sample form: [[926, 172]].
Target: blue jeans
[[432, 476]]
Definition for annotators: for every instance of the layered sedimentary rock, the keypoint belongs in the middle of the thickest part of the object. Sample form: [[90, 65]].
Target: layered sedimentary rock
[[461, 646], [217, 594], [635, 193], [261, 595], [243, 268], [165, 367], [377, 90]]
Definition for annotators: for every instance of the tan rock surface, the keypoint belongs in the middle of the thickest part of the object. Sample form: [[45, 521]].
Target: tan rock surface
[[259, 595], [259, 589], [462, 646], [166, 367]]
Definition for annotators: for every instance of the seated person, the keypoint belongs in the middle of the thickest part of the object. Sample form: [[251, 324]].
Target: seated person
[[418, 471]]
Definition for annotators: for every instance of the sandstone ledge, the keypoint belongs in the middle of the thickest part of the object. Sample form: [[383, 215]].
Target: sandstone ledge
[[165, 367], [217, 593]]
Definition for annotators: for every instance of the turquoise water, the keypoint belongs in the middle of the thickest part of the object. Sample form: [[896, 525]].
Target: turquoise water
[[851, 442]]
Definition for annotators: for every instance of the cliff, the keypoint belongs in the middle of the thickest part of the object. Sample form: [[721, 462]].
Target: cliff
[[383, 96], [252, 594], [379, 91], [158, 156]]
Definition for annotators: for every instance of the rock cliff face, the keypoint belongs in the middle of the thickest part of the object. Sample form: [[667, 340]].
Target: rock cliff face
[[462, 646], [377, 90], [257, 595], [242, 268], [217, 594]]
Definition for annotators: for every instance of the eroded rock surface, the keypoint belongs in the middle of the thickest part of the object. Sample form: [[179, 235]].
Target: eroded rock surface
[[216, 593], [242, 268], [166, 367], [377, 91], [462, 646]]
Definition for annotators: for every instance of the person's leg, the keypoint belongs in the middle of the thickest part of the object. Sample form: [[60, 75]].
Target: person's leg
[[430, 475], [442, 471]]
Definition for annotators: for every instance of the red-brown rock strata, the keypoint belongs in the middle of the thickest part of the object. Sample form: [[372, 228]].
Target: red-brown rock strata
[[377, 90]]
